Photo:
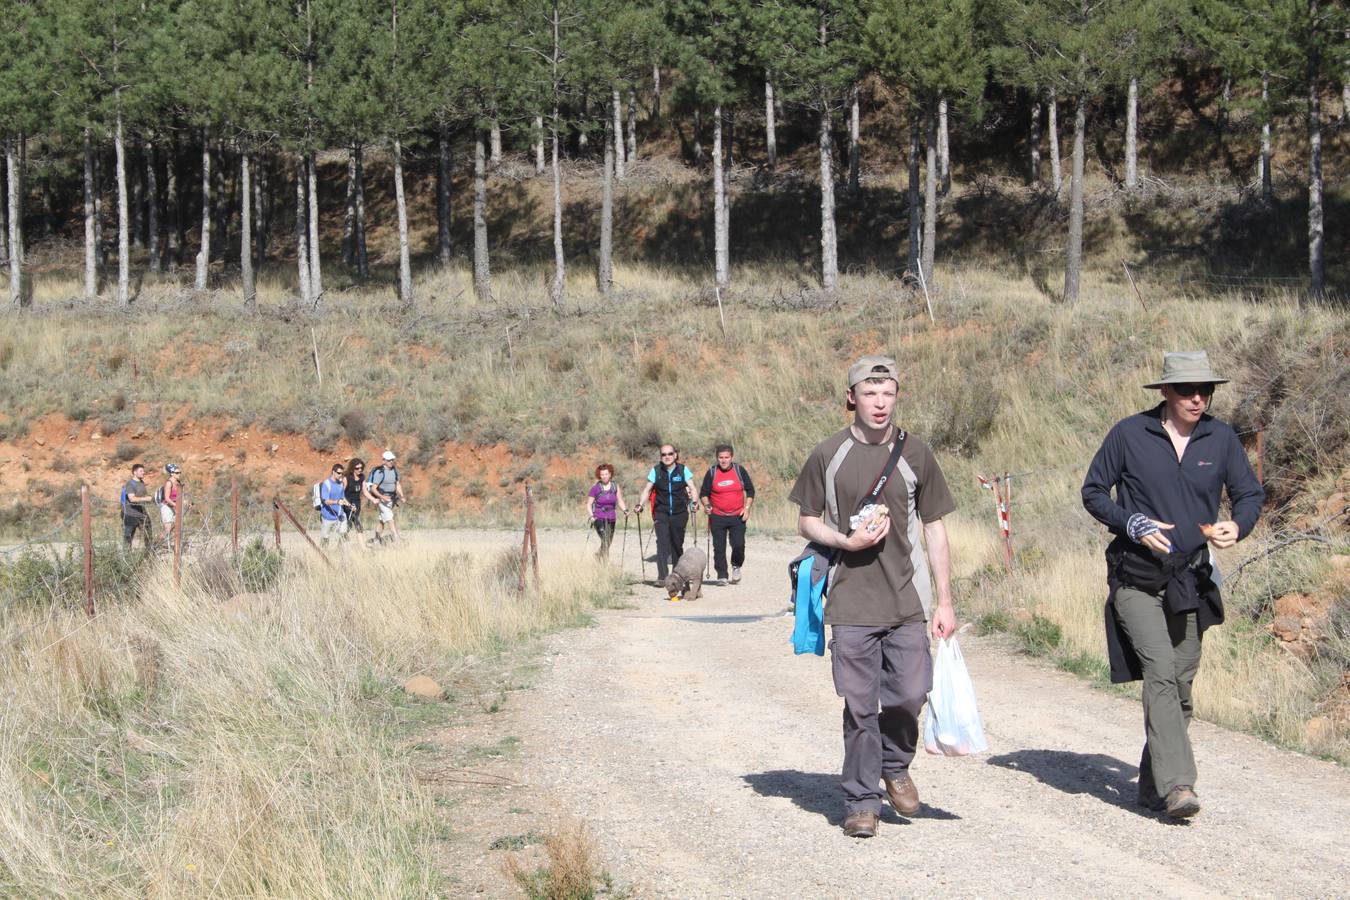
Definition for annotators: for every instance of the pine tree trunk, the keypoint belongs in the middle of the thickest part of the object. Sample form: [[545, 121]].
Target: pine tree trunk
[[123, 213], [315, 265], [656, 92], [4, 215], [45, 195], [362, 256], [1132, 136], [496, 159], [1317, 285], [721, 221], [90, 232], [261, 212], [482, 275], [204, 253], [558, 286], [632, 125], [1034, 146], [854, 134], [172, 210], [14, 200], [1267, 193], [944, 149], [223, 203], [99, 242], [770, 135], [698, 137], [616, 134], [915, 198], [136, 222], [302, 233], [930, 191], [405, 285], [829, 251], [1056, 174], [246, 234], [604, 272], [152, 206], [349, 211], [1073, 263], [444, 250], [540, 158]]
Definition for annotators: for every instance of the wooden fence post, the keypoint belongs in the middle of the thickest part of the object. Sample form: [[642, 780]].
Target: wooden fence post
[[234, 513], [178, 506], [276, 502], [529, 548], [534, 537], [276, 523], [87, 534]]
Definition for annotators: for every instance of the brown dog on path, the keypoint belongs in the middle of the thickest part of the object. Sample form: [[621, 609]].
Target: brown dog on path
[[685, 581]]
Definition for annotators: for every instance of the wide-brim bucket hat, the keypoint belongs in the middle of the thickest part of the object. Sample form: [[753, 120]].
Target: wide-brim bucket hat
[[1187, 367]]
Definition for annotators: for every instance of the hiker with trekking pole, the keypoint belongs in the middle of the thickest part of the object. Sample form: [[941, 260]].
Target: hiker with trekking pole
[[602, 503], [670, 484]]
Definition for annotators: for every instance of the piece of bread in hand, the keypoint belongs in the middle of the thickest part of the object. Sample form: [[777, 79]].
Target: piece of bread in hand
[[876, 517], [1207, 531]]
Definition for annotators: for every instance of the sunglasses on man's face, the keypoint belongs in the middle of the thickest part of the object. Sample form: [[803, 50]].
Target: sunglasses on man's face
[[1190, 390]]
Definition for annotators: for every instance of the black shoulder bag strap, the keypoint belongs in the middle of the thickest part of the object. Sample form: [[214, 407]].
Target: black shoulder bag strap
[[891, 462]]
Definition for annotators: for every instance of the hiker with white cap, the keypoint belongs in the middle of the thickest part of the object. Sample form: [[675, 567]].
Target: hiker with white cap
[[1168, 466], [384, 488]]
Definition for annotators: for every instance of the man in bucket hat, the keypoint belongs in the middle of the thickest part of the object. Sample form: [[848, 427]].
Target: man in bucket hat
[[882, 602], [1168, 466]]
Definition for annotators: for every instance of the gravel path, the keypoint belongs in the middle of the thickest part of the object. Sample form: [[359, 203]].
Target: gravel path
[[705, 758]]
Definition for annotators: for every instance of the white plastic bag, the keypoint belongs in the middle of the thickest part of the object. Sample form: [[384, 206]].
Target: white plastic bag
[[953, 727]]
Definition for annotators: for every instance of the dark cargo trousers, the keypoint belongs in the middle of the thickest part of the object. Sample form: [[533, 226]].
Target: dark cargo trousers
[[669, 540], [884, 674], [1168, 647], [721, 528]]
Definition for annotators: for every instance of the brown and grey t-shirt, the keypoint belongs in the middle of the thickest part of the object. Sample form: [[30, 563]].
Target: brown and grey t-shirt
[[887, 584]]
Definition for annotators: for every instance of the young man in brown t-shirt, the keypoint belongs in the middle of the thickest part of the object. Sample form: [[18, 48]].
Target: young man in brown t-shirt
[[880, 592]]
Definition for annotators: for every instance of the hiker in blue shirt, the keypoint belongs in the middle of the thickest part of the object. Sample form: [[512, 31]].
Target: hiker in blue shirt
[[670, 484], [333, 508]]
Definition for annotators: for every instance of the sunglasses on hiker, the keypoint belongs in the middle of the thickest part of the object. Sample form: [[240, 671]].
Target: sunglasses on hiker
[[1190, 390], [667, 454]]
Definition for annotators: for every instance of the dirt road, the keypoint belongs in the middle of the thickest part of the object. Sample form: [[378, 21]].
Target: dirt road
[[704, 756]]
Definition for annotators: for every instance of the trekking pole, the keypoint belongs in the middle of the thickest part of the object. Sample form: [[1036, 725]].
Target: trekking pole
[[587, 543], [642, 552], [707, 561], [623, 546]]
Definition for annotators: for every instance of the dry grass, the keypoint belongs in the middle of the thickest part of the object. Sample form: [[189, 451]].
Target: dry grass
[[571, 870], [179, 747]]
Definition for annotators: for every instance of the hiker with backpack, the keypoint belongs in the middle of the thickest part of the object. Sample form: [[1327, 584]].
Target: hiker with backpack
[[670, 485], [604, 499], [167, 499], [353, 489], [865, 495], [384, 488], [333, 504], [134, 518], [727, 495]]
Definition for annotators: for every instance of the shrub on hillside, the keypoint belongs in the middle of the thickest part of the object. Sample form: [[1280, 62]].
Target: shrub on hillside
[[1298, 391], [355, 425], [259, 566], [40, 579]]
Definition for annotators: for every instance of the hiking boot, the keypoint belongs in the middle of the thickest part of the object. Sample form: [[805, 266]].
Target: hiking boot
[[1182, 802], [904, 796], [735, 575], [862, 823]]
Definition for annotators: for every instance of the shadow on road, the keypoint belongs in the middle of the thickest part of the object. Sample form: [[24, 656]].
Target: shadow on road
[[1104, 777], [818, 793]]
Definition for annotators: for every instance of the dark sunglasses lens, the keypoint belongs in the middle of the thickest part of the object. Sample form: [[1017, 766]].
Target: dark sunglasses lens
[[1190, 390]]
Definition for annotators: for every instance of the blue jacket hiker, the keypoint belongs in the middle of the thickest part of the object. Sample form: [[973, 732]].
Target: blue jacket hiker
[[670, 485]]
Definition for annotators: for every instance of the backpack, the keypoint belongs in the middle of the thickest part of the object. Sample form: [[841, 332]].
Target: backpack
[[809, 573], [378, 484], [122, 499], [316, 495], [159, 495]]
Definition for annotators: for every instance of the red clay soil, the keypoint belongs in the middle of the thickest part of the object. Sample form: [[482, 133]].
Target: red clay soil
[[58, 450]]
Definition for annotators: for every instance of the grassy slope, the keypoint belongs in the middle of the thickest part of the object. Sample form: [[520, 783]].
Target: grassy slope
[[180, 746]]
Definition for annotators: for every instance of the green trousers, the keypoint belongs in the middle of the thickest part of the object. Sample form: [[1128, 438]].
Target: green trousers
[[1168, 647]]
